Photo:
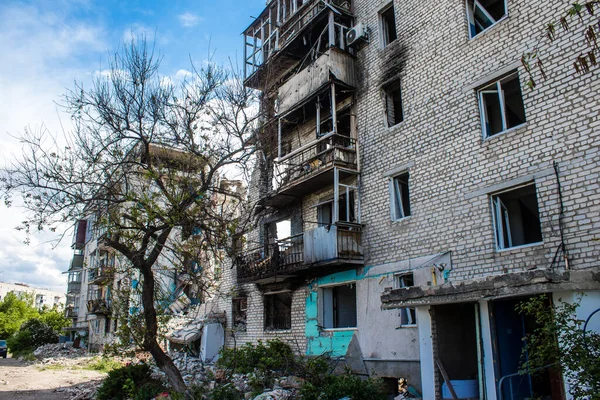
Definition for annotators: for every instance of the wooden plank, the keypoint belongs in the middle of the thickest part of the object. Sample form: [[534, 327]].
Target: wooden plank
[[446, 379]]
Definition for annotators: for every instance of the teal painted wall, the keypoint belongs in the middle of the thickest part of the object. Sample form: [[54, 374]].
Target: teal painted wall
[[334, 342]]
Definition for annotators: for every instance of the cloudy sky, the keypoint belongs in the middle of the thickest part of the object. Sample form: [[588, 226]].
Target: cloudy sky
[[46, 45]]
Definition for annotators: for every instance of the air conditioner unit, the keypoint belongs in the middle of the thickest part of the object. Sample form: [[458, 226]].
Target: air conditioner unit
[[356, 33]]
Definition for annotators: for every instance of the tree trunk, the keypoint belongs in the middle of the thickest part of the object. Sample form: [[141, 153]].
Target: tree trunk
[[163, 361]]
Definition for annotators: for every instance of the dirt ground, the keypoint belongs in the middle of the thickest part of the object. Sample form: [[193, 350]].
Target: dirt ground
[[26, 381]]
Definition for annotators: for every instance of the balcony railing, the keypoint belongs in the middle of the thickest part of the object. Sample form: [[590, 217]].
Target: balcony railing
[[76, 262], [98, 307], [74, 287], [101, 275], [72, 312], [325, 245], [314, 158]]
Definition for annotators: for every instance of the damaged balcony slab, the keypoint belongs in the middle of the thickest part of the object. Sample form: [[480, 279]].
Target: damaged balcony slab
[[492, 287]]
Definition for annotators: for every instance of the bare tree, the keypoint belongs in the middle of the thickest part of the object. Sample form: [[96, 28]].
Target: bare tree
[[145, 158]]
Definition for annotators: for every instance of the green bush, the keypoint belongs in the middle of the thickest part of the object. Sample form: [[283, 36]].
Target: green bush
[[225, 392], [275, 355], [334, 387], [132, 381], [31, 335]]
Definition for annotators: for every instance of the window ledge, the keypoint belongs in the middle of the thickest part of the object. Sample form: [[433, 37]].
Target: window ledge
[[408, 326], [339, 329], [277, 330], [400, 220], [488, 29], [523, 126], [523, 246]]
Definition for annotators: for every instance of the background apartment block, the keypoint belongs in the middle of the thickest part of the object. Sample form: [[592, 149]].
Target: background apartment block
[[464, 190]]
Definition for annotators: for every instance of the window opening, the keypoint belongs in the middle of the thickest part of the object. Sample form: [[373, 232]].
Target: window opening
[[239, 312], [278, 311], [484, 13], [400, 202], [346, 209], [516, 217], [339, 306], [501, 104], [388, 25], [393, 103], [408, 315]]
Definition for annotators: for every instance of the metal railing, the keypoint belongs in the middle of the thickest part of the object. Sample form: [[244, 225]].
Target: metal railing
[[509, 378], [98, 306], [327, 243], [72, 312], [310, 159], [101, 274], [271, 258]]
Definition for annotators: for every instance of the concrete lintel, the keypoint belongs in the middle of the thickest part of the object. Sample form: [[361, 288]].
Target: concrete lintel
[[493, 287]]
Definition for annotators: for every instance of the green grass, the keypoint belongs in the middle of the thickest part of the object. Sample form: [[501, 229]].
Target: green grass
[[102, 364], [51, 367]]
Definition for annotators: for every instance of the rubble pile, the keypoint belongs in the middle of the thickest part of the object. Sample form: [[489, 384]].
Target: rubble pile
[[195, 372], [59, 350], [84, 391]]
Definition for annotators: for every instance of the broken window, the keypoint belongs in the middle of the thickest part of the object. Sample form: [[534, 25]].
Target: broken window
[[346, 209], [393, 103], [278, 311], [387, 22], [501, 105], [339, 306], [408, 315], [484, 13], [239, 310], [399, 193], [516, 217]]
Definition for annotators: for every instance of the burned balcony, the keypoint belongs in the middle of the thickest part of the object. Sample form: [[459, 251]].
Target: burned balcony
[[72, 312], [101, 275], [311, 167], [287, 31], [98, 307], [336, 246]]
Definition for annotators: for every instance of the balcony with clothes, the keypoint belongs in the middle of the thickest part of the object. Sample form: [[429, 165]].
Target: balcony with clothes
[[99, 307], [103, 268], [292, 33], [323, 248]]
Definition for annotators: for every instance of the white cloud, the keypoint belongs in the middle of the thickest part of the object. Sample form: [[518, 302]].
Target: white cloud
[[44, 51], [189, 20]]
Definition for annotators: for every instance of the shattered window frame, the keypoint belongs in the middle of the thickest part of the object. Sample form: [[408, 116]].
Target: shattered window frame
[[400, 196], [501, 105], [516, 217], [331, 307], [239, 313], [484, 14], [387, 20], [408, 315], [278, 311], [393, 108]]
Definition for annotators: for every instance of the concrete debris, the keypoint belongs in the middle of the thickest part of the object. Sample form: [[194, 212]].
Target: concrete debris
[[64, 350], [85, 391], [277, 394]]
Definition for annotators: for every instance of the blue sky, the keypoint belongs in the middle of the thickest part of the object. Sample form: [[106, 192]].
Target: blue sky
[[46, 45]]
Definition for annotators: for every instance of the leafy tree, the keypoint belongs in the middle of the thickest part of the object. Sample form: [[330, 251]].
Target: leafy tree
[[32, 334], [54, 318], [561, 341], [14, 311], [144, 160]]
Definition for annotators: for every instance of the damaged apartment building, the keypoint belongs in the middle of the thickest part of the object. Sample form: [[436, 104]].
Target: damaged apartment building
[[414, 189]]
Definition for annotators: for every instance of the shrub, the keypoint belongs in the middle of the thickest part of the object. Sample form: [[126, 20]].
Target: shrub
[[275, 355], [31, 335], [132, 381], [335, 387]]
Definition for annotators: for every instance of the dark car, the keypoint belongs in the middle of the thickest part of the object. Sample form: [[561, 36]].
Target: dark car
[[3, 348]]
